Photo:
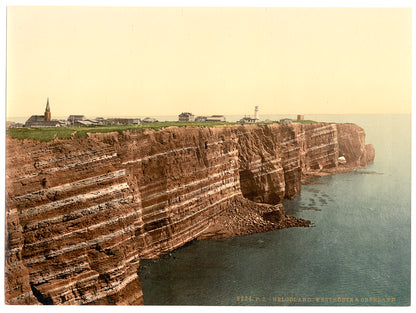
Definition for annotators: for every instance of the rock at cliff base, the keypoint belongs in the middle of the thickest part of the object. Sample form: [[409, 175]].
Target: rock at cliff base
[[245, 217]]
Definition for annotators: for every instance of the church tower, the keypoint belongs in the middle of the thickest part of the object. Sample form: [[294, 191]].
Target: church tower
[[47, 116]]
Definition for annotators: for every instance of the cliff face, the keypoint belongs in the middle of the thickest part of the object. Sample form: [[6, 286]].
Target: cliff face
[[275, 160], [81, 213]]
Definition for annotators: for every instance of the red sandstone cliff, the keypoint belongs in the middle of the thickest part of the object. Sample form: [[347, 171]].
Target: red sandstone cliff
[[81, 213]]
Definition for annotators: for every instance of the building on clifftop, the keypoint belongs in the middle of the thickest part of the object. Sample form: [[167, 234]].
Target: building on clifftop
[[148, 120], [123, 121], [256, 112], [186, 117], [43, 120], [250, 120], [73, 119], [216, 118], [200, 119], [285, 121]]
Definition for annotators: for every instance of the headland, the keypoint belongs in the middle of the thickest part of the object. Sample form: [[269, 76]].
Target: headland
[[82, 212]]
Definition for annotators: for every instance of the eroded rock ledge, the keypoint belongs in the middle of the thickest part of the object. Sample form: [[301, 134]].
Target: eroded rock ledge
[[245, 217], [81, 213]]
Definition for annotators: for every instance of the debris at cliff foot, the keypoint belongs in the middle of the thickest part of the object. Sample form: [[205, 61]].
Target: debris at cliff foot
[[245, 217]]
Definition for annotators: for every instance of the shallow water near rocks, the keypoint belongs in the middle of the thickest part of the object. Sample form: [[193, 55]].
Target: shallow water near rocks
[[356, 253]]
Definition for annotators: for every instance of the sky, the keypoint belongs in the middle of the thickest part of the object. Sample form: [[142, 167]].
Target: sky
[[148, 61]]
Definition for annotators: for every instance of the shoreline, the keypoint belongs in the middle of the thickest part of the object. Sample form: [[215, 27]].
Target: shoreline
[[247, 217]]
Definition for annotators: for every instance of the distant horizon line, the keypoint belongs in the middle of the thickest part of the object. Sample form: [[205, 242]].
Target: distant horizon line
[[173, 115]]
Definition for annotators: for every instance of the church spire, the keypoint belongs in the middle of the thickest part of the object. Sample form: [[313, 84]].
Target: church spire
[[47, 116]]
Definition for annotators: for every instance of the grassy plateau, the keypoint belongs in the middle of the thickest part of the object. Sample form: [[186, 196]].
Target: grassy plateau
[[50, 133]]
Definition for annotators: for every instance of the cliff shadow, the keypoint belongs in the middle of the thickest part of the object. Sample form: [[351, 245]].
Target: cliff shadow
[[248, 185]]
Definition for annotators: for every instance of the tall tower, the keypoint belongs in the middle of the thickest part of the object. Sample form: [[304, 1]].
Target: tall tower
[[47, 116], [256, 112]]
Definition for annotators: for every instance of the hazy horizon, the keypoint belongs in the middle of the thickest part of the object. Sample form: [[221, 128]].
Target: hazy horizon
[[175, 116], [147, 61]]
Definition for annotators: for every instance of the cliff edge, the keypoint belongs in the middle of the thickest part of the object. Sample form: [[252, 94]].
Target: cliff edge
[[81, 213]]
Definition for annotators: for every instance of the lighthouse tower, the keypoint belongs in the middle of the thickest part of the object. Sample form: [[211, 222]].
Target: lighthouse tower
[[47, 116], [256, 112]]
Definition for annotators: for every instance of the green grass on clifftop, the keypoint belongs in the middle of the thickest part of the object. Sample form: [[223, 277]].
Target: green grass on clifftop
[[50, 133], [304, 121]]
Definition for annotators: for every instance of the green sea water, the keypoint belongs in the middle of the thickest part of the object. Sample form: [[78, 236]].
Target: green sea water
[[357, 251]]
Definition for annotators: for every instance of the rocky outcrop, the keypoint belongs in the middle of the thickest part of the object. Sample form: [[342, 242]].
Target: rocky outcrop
[[274, 161], [81, 213], [246, 217], [352, 145]]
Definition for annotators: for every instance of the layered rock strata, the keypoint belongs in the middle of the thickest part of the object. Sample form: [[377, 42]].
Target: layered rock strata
[[81, 213]]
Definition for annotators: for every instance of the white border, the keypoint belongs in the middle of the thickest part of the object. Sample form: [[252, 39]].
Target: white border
[[189, 3]]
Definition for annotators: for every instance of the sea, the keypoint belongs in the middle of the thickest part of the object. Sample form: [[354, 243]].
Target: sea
[[356, 253]]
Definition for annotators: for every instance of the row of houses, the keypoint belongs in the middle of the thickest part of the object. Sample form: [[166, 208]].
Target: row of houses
[[189, 117], [80, 120]]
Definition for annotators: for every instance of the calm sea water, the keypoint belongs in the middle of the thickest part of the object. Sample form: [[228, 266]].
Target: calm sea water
[[358, 247]]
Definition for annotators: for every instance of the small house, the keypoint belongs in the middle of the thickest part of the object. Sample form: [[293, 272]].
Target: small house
[[285, 121], [200, 119], [186, 117], [72, 119], [216, 118], [125, 121], [148, 120], [248, 120]]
